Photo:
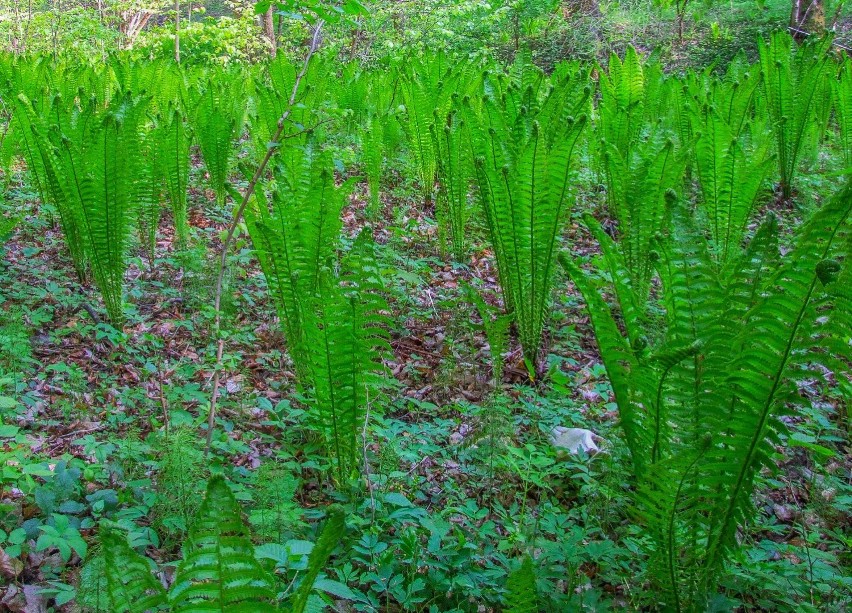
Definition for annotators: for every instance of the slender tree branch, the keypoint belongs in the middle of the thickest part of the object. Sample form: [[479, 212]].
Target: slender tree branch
[[238, 214]]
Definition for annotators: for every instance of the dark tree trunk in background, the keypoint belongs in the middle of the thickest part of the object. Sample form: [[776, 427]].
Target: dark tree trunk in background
[[269, 30], [808, 16], [586, 8]]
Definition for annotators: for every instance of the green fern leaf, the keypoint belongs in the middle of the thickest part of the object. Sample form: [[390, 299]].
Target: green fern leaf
[[329, 538], [521, 596], [130, 584], [219, 571]]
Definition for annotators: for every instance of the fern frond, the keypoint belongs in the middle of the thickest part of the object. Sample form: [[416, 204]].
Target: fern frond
[[523, 147], [219, 571], [174, 167], [217, 119], [756, 377], [521, 592], [329, 538], [731, 176], [130, 584], [794, 82]]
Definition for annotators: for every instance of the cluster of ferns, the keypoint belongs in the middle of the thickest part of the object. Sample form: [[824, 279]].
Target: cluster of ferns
[[708, 328]]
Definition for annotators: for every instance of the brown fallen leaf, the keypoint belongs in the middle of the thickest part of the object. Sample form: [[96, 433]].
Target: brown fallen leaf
[[9, 567]]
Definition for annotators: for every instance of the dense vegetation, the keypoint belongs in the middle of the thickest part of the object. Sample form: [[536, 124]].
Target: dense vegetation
[[429, 330]]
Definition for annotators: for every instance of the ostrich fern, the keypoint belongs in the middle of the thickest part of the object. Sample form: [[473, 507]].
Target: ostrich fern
[[522, 146], [329, 309], [45, 166], [700, 403], [218, 571], [174, 138], [296, 236], [794, 85], [842, 87], [621, 110], [217, 121], [90, 159], [346, 342], [637, 186], [731, 171], [454, 174]]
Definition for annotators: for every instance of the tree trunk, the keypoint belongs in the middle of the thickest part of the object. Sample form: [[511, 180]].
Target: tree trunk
[[269, 30], [808, 17]]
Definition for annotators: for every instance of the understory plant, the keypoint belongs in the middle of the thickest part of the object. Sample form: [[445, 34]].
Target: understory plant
[[797, 94], [454, 175], [701, 400], [523, 138], [329, 306], [641, 160], [89, 158], [733, 164], [218, 114], [426, 85], [173, 136], [842, 91], [638, 186], [219, 569]]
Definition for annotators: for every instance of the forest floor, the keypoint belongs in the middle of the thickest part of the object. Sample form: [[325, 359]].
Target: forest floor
[[107, 423]]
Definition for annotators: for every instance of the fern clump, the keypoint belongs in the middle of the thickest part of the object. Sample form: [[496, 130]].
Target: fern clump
[[797, 95], [173, 138], [217, 121], [523, 140], [89, 164], [454, 175], [733, 162], [700, 404], [329, 308]]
